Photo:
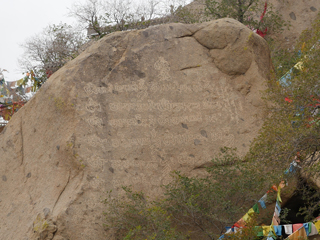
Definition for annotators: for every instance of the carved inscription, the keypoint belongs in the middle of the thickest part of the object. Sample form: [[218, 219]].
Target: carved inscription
[[138, 121], [164, 68], [161, 120]]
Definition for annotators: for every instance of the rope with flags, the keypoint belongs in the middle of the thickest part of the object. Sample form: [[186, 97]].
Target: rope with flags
[[13, 95]]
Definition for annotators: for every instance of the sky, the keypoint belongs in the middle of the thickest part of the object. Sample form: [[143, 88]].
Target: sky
[[22, 19]]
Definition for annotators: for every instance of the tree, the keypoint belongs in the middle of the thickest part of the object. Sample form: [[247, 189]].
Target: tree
[[147, 10], [120, 13], [239, 10], [102, 17], [10, 100], [256, 14], [91, 13], [50, 50], [293, 126], [44, 54]]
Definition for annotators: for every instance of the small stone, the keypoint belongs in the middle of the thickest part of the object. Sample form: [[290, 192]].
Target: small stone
[[313, 9], [4, 178], [204, 133], [29, 175], [196, 142], [184, 125], [292, 16]]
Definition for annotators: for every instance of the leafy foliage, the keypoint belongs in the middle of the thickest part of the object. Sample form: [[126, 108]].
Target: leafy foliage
[[293, 125], [198, 207], [293, 122], [136, 217], [50, 50], [103, 17]]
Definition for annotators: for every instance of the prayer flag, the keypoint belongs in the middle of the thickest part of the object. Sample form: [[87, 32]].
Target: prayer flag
[[317, 225], [256, 208], [288, 229]]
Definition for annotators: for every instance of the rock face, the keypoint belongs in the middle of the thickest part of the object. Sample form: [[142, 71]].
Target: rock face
[[129, 110], [298, 13]]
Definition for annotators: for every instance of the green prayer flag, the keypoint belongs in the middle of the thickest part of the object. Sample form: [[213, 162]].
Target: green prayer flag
[[309, 227], [256, 208], [258, 230]]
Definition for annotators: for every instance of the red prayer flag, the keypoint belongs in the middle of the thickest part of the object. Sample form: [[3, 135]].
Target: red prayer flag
[[264, 11]]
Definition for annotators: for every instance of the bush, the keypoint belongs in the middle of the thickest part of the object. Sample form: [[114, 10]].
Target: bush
[[191, 207]]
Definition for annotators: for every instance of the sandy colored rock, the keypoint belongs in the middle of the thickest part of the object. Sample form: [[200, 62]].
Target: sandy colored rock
[[129, 110], [298, 13], [235, 47]]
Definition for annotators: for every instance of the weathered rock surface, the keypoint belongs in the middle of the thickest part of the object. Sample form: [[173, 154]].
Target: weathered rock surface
[[298, 13], [129, 110]]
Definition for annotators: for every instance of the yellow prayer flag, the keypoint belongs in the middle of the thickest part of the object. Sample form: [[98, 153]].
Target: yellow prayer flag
[[19, 82], [246, 217], [7, 117], [278, 195], [251, 211], [317, 224], [266, 230]]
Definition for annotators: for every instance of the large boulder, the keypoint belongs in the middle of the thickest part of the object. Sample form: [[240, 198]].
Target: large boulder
[[129, 110]]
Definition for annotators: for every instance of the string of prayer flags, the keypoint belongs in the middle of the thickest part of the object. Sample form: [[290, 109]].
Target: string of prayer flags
[[274, 229], [283, 81], [298, 230], [293, 230], [11, 92]]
